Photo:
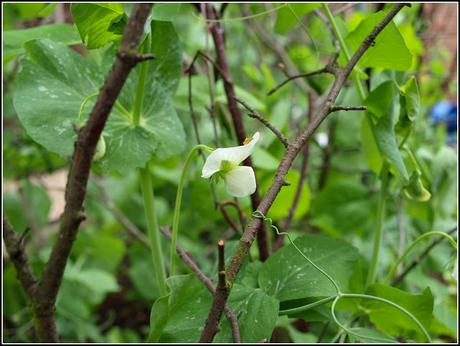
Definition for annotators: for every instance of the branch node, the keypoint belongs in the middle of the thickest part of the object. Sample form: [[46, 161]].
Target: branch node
[[256, 115], [132, 57], [347, 108]]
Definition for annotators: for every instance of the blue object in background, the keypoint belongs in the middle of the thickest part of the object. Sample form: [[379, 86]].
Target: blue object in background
[[445, 112]]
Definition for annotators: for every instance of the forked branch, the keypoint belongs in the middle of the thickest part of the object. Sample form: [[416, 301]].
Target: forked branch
[[220, 297]]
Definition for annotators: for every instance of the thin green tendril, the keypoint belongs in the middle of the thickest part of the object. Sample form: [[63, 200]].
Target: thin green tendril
[[176, 217], [260, 215]]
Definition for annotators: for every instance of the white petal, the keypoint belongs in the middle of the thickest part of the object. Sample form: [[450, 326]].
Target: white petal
[[235, 155], [322, 139], [241, 181]]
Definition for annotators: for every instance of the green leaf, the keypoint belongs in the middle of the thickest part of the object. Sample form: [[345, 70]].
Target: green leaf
[[289, 15], [169, 11], [352, 205], [34, 198], [286, 196], [380, 102], [55, 82], [14, 40], [386, 141], [167, 66], [264, 160], [158, 318], [391, 320], [411, 94], [389, 50], [96, 22], [368, 335], [188, 305], [257, 314], [287, 275]]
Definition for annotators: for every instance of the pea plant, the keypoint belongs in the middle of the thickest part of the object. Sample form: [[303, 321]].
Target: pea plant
[[303, 221]]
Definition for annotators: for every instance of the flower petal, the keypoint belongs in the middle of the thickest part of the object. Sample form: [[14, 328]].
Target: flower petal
[[241, 181], [234, 155]]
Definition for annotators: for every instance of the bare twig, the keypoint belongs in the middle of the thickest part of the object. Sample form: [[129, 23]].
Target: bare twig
[[419, 258], [44, 297], [217, 32], [330, 68], [229, 220], [190, 102], [256, 115], [303, 173], [110, 205], [302, 75], [235, 205], [220, 297], [221, 288], [274, 44], [191, 263], [348, 108], [344, 8], [15, 248]]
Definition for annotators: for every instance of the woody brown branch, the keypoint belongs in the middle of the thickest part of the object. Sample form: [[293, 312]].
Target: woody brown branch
[[217, 32], [292, 150], [191, 263], [43, 297], [254, 114]]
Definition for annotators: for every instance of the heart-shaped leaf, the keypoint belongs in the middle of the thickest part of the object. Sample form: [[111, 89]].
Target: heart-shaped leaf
[[57, 88]]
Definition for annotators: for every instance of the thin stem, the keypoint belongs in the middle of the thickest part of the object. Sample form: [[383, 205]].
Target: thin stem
[[254, 114], [141, 84], [348, 108], [175, 226], [344, 47], [302, 75], [393, 304], [153, 229], [117, 105], [348, 330], [379, 225], [307, 307], [418, 259], [414, 243]]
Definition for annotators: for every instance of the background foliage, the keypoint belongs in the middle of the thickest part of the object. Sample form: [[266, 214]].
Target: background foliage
[[55, 59]]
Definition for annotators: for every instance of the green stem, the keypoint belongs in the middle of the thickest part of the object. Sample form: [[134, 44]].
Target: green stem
[[141, 84], [383, 300], [414, 243], [123, 110], [379, 225], [175, 226], [153, 229], [117, 105], [344, 48], [307, 307]]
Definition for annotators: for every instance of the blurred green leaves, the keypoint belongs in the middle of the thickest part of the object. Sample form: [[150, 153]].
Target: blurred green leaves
[[99, 23], [290, 15], [55, 82], [13, 40], [180, 316]]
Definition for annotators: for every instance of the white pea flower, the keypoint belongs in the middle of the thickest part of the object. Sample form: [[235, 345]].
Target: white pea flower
[[224, 163]]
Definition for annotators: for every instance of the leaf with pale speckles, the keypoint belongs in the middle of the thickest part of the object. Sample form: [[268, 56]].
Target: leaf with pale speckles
[[57, 88]]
